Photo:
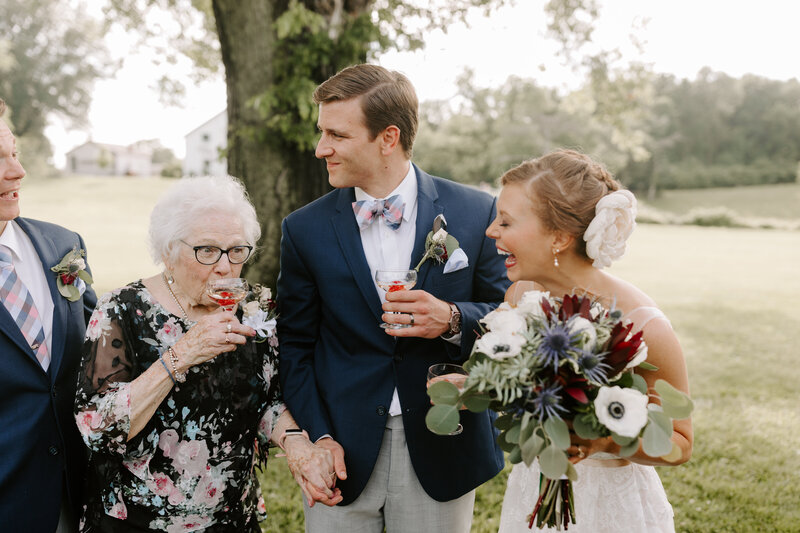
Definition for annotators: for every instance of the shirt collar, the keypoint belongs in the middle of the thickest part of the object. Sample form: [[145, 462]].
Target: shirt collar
[[10, 238], [407, 191]]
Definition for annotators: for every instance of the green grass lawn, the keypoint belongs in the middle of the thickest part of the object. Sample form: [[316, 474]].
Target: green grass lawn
[[732, 296], [761, 201]]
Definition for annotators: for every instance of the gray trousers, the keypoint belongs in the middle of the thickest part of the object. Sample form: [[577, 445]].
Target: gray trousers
[[393, 498]]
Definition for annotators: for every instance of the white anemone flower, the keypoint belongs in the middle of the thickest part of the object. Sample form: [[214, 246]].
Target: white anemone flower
[[531, 304], [500, 345], [623, 411]]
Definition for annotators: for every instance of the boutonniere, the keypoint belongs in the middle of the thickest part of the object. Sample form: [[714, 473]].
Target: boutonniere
[[258, 312], [72, 276], [443, 248]]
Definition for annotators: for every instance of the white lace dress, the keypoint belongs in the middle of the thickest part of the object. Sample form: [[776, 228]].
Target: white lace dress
[[610, 497]]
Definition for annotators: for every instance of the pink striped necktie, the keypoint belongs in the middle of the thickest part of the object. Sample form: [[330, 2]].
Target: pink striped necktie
[[19, 303]]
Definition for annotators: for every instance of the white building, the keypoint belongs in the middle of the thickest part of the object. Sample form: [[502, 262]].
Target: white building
[[111, 159], [204, 147]]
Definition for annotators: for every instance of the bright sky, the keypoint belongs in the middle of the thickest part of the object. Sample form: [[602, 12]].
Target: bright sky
[[681, 37]]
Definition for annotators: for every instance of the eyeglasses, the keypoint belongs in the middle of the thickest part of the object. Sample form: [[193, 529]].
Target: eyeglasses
[[209, 255]]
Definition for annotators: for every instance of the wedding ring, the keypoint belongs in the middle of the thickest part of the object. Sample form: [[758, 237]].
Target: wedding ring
[[229, 327], [412, 318], [581, 455]]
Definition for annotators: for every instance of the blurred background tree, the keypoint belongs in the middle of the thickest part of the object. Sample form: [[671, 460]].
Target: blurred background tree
[[50, 56]]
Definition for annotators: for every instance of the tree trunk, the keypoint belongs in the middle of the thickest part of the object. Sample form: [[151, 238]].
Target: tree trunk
[[279, 180]]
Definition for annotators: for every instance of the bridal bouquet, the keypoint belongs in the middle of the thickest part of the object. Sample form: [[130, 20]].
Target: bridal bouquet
[[550, 366]]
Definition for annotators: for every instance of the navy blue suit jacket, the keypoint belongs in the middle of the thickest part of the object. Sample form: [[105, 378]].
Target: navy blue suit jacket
[[339, 368], [39, 441]]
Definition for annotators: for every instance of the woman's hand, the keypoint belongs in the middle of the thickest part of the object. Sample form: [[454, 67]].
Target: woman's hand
[[313, 468], [581, 449], [216, 333]]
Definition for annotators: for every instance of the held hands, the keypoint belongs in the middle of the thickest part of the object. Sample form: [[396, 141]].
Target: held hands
[[429, 317], [216, 333], [315, 468]]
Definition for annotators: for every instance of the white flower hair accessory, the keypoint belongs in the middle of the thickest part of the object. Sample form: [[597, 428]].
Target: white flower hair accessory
[[613, 223]]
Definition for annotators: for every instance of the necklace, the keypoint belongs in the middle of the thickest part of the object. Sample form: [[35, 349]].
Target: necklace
[[169, 288]]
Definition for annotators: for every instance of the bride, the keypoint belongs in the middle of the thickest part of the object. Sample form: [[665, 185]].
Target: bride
[[561, 219]]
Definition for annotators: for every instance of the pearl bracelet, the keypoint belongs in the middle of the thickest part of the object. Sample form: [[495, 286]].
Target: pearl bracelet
[[180, 377]]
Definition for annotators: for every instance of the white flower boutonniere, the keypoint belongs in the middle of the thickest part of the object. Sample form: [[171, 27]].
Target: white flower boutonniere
[[72, 275], [258, 312], [443, 247]]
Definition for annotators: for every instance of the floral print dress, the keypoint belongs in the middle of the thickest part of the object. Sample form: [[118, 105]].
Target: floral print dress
[[192, 466]]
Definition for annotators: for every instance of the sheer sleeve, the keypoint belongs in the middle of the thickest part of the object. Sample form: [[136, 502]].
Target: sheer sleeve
[[102, 403], [275, 405]]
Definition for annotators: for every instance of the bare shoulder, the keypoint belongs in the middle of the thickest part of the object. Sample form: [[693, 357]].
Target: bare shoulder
[[518, 288], [627, 296]]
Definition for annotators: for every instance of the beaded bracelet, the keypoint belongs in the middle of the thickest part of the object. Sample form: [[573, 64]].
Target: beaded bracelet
[[167, 369], [180, 377]]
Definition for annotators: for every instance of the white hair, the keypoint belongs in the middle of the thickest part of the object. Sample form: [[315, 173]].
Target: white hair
[[188, 201]]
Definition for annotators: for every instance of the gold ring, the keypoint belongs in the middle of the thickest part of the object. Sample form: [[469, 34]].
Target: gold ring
[[412, 318], [229, 327], [581, 455]]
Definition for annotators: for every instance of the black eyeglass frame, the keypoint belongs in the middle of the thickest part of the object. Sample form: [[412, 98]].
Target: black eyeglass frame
[[221, 251]]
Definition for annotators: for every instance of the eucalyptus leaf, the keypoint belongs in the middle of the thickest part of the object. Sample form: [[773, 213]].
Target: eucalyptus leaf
[[553, 462], [625, 380], [512, 435], [451, 243], [477, 402], [661, 418], [527, 430], [85, 276], [583, 429], [558, 432], [644, 365], [515, 456], [504, 444], [504, 422], [674, 454], [443, 393], [629, 449], [532, 447], [572, 474], [676, 404], [442, 419], [639, 383], [655, 441], [622, 441], [73, 294]]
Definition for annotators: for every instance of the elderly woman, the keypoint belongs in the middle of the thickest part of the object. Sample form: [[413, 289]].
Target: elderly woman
[[175, 399]]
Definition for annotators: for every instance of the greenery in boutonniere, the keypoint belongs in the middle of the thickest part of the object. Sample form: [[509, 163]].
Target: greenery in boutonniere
[[72, 276], [438, 246]]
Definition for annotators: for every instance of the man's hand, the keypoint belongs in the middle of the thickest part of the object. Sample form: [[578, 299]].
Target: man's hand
[[337, 452], [429, 317]]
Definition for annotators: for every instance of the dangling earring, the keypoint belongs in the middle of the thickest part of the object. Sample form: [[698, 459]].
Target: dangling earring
[[555, 257], [170, 279]]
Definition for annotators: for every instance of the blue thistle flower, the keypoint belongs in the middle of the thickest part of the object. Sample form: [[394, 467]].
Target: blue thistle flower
[[556, 345], [592, 367], [546, 402]]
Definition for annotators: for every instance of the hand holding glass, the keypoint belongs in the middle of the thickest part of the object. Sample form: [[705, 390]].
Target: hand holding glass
[[392, 281], [451, 373], [227, 292]]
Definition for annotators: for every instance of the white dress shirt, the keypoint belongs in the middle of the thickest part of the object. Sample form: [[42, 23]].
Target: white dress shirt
[[30, 271], [388, 249]]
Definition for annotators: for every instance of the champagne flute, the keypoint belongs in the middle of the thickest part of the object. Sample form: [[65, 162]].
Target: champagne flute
[[451, 373], [392, 281], [227, 292]]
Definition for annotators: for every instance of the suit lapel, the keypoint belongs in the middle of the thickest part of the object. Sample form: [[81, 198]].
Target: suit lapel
[[427, 209], [48, 255], [346, 229]]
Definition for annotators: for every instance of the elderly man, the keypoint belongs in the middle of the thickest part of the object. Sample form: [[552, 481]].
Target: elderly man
[[42, 322]]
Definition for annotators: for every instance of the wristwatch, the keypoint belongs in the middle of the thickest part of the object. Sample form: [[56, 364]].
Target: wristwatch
[[455, 321]]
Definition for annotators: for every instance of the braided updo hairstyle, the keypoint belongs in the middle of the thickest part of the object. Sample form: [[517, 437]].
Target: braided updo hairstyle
[[568, 185]]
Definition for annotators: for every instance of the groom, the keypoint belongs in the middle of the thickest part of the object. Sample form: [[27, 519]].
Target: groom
[[360, 390], [42, 457]]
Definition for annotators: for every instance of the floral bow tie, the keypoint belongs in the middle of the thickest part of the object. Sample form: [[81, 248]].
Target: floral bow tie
[[391, 208]]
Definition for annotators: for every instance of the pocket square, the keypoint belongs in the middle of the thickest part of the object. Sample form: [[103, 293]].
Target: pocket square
[[457, 261]]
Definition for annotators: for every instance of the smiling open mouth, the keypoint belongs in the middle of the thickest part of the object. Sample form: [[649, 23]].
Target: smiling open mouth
[[10, 195]]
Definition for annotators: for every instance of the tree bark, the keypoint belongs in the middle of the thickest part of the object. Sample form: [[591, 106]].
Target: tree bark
[[279, 180]]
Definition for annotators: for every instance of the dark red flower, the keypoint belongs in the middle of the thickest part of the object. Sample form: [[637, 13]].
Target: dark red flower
[[67, 279]]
